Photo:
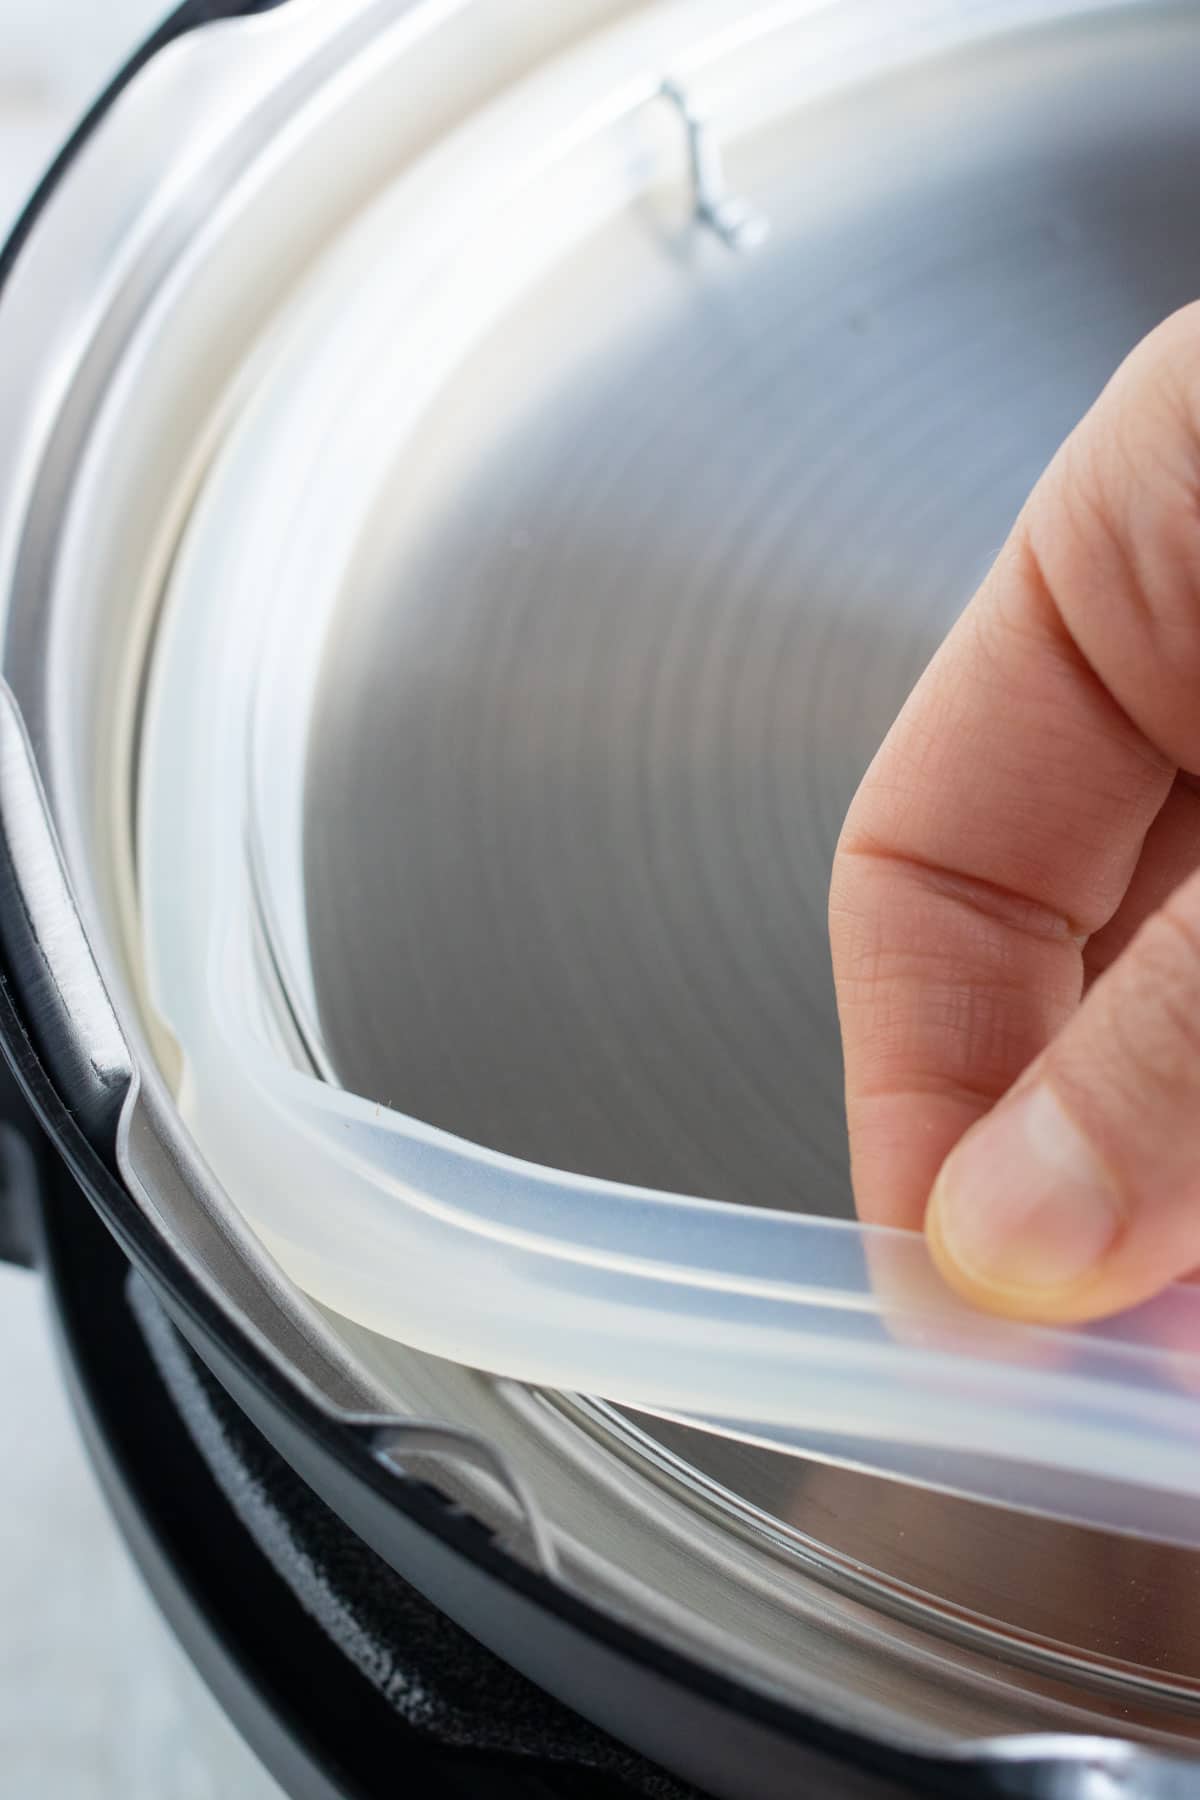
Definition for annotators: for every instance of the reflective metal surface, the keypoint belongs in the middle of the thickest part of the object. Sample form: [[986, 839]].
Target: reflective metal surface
[[667, 558], [1116, 1614], [635, 614]]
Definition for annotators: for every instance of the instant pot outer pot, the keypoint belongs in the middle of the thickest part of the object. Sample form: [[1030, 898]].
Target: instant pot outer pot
[[615, 620]]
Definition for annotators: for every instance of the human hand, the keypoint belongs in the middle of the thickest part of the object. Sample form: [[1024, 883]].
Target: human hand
[[1015, 904]]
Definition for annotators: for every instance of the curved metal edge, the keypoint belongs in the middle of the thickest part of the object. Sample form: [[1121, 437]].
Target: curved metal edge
[[46, 948]]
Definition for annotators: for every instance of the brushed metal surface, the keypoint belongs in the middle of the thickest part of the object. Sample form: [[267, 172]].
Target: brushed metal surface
[[633, 619], [662, 568]]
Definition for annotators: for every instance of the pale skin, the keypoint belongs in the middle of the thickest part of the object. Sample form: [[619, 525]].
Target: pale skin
[[1015, 904]]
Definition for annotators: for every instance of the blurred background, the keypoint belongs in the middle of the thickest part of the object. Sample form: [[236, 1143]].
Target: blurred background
[[96, 1701]]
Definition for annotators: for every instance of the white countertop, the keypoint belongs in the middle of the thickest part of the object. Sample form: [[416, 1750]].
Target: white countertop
[[96, 1700]]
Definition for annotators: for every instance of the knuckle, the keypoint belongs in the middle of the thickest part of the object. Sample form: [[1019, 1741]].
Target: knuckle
[[1121, 505], [1152, 1014]]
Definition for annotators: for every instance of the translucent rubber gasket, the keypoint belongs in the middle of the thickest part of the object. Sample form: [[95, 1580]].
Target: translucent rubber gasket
[[811, 1336]]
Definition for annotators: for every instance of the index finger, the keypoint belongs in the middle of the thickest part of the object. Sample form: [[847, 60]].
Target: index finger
[[1001, 822]]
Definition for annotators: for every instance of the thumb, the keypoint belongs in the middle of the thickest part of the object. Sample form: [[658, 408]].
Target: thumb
[[1079, 1193]]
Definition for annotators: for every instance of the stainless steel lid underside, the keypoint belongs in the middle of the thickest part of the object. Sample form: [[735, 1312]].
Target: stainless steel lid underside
[[632, 619], [654, 581]]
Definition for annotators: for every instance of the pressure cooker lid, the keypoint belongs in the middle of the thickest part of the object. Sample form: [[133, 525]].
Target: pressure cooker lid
[[552, 586], [516, 615]]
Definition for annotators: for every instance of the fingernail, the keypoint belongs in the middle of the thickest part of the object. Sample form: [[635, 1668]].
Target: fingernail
[[1024, 1202]]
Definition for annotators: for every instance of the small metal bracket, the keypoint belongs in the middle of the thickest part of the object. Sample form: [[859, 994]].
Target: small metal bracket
[[738, 224], [1066, 1766], [400, 1442]]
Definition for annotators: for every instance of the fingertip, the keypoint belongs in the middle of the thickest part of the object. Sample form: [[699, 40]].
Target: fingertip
[[921, 1311]]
